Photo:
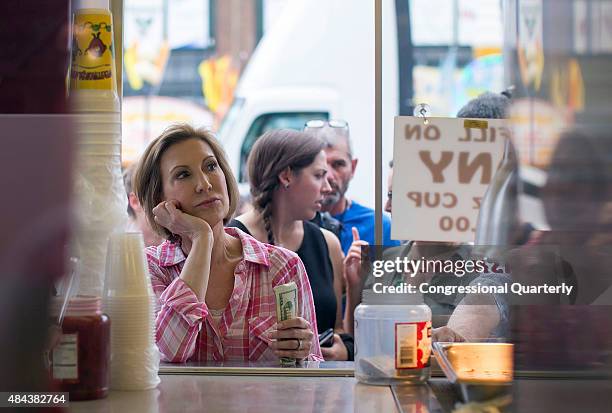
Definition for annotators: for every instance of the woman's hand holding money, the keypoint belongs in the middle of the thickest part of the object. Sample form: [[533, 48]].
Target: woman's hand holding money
[[293, 338]]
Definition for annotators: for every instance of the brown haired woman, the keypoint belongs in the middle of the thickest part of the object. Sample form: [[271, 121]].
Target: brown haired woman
[[287, 175], [214, 284]]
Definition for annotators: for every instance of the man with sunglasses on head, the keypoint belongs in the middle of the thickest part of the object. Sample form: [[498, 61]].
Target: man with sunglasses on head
[[341, 170]]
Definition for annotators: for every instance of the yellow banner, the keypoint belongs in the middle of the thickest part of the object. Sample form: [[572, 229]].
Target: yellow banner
[[93, 57]]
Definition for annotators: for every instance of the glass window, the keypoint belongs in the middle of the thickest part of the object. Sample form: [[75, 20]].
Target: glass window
[[456, 53]]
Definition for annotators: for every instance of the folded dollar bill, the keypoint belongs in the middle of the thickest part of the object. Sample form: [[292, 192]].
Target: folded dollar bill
[[286, 309]]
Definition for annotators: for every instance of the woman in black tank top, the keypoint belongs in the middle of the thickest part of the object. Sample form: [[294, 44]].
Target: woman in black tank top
[[287, 176], [315, 255]]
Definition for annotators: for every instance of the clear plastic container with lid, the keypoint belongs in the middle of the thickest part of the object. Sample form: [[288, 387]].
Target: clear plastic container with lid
[[392, 339]]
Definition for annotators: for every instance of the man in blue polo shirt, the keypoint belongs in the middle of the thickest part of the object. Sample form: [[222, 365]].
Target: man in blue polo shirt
[[341, 170]]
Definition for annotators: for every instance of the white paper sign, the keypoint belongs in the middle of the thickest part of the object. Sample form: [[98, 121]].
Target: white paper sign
[[441, 172]]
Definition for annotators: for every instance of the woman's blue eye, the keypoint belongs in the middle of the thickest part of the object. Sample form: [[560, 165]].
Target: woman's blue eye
[[182, 175], [211, 166]]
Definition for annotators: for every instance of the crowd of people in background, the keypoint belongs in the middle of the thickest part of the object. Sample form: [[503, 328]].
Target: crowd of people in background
[[214, 273]]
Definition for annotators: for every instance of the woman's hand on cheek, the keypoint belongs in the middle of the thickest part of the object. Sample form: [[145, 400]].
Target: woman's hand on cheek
[[169, 215]]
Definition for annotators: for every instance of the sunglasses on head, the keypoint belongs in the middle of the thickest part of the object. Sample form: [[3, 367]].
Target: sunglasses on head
[[332, 123]]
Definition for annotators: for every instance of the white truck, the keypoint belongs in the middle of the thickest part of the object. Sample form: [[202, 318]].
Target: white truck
[[317, 62]]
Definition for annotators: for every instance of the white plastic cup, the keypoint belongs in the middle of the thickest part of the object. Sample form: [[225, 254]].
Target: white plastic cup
[[135, 369], [130, 303], [97, 123], [126, 267]]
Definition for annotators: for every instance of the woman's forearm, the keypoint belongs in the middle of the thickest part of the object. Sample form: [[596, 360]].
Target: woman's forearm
[[196, 271], [178, 321], [175, 336]]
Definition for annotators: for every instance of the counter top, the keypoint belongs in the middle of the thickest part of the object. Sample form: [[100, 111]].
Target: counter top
[[325, 387], [263, 387], [263, 394]]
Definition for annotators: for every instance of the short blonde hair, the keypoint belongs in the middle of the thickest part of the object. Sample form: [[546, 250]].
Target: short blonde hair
[[148, 178]]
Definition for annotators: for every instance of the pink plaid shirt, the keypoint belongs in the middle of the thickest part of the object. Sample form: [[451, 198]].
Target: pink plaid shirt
[[185, 329]]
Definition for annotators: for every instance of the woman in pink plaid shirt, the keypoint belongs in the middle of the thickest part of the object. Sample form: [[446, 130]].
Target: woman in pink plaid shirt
[[214, 284]]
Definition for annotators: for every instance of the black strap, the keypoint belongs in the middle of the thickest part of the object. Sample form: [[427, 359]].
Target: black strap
[[238, 224], [349, 343]]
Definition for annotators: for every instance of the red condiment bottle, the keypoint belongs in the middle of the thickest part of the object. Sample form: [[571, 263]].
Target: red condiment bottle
[[80, 362]]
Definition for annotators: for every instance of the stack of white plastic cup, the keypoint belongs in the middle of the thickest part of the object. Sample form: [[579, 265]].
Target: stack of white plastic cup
[[130, 303], [102, 202], [100, 193]]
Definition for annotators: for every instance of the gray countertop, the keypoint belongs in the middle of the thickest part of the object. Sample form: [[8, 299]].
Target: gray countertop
[[325, 387], [253, 394]]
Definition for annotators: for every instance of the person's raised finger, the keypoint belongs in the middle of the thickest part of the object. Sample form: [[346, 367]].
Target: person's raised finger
[[355, 232]]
